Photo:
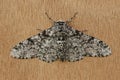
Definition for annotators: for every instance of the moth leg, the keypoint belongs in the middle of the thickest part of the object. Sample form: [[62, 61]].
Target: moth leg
[[39, 29]]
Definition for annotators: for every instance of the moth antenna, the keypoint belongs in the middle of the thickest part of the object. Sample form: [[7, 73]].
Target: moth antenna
[[49, 17], [72, 17]]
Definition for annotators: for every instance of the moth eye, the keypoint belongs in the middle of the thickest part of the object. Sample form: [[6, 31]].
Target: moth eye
[[61, 23]]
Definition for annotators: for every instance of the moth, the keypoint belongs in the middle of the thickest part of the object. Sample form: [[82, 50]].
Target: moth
[[60, 42]]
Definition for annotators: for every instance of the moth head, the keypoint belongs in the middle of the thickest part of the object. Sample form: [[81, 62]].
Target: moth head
[[60, 23]]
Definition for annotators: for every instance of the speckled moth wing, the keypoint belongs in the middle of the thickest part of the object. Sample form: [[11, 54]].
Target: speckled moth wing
[[60, 42], [81, 45], [37, 46]]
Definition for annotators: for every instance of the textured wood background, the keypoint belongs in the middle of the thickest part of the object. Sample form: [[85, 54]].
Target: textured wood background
[[19, 20]]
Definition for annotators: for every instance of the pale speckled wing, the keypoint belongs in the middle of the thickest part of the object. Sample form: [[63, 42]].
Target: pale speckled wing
[[28, 48], [60, 42], [83, 45], [37, 46]]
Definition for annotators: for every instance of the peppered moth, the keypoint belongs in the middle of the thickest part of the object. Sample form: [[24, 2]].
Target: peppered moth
[[60, 42]]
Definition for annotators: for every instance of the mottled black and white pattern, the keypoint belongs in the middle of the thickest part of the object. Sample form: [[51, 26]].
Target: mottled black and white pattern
[[60, 42]]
